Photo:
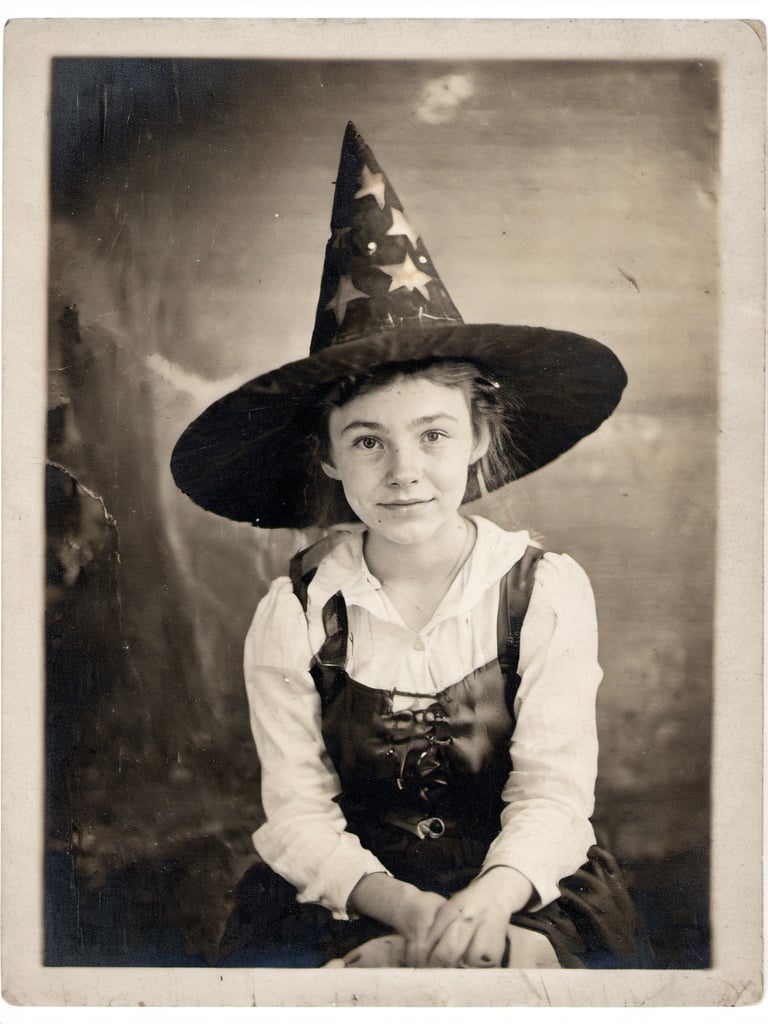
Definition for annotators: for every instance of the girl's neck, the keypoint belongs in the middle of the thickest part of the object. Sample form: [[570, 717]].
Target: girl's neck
[[417, 578], [440, 557]]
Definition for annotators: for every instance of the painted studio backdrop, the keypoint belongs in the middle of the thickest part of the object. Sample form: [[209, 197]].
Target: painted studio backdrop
[[190, 205]]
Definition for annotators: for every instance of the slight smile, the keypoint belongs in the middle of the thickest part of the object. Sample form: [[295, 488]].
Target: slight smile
[[405, 504]]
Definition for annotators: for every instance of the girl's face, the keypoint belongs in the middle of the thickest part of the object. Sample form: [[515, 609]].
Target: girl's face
[[401, 453]]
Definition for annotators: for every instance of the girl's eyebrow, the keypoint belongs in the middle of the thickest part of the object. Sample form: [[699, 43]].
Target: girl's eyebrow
[[362, 425], [422, 421]]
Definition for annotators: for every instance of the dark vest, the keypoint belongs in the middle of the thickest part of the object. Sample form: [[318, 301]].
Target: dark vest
[[429, 771]]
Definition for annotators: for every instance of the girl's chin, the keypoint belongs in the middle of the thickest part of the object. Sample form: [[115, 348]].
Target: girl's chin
[[407, 528]]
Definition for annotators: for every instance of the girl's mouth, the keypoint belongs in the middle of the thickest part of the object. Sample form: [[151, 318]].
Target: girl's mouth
[[405, 506]]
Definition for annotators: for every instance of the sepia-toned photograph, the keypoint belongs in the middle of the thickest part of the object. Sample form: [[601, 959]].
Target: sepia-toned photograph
[[384, 411]]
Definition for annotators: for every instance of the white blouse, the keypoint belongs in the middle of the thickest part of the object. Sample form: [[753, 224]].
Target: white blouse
[[545, 830]]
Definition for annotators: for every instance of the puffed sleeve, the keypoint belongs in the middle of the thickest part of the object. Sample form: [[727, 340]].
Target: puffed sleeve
[[304, 838], [549, 795]]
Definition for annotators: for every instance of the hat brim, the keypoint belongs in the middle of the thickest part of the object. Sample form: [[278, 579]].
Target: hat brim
[[248, 456]]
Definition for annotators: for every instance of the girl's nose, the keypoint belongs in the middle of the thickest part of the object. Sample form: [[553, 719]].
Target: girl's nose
[[403, 468]]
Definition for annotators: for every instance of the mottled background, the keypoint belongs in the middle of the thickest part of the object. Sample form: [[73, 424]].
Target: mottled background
[[190, 203]]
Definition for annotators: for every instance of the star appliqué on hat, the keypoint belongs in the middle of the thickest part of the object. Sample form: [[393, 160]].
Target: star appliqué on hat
[[400, 226], [407, 275], [345, 293], [371, 185]]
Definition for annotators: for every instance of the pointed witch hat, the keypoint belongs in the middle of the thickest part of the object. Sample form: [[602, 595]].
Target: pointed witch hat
[[249, 456]]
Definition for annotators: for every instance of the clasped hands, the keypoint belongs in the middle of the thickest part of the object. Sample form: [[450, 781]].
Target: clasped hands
[[467, 930]]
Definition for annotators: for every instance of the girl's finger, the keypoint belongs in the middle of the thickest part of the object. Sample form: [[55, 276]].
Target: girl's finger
[[486, 947], [450, 949], [446, 915], [415, 955], [418, 948]]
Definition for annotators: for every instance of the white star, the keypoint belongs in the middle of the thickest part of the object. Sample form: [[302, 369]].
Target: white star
[[407, 275], [400, 226], [371, 185], [345, 293]]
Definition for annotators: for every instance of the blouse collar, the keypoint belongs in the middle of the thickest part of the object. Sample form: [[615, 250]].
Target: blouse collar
[[494, 553]]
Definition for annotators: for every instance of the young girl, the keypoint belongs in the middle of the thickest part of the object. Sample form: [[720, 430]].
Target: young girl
[[422, 686]]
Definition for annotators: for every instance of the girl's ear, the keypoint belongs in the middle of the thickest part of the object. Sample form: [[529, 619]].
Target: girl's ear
[[330, 470], [481, 444]]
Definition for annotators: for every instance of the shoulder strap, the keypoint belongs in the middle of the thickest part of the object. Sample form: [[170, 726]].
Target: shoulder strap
[[331, 659], [514, 598], [333, 653], [304, 565], [302, 571]]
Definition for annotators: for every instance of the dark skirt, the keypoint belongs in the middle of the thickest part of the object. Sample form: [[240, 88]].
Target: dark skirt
[[592, 925]]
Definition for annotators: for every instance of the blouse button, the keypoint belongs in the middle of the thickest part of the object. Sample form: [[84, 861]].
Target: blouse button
[[419, 645]]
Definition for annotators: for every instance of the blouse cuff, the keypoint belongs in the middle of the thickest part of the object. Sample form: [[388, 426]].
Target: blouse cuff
[[544, 890], [543, 863], [332, 886]]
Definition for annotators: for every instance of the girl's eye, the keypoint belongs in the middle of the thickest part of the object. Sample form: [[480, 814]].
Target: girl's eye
[[368, 444], [433, 436]]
